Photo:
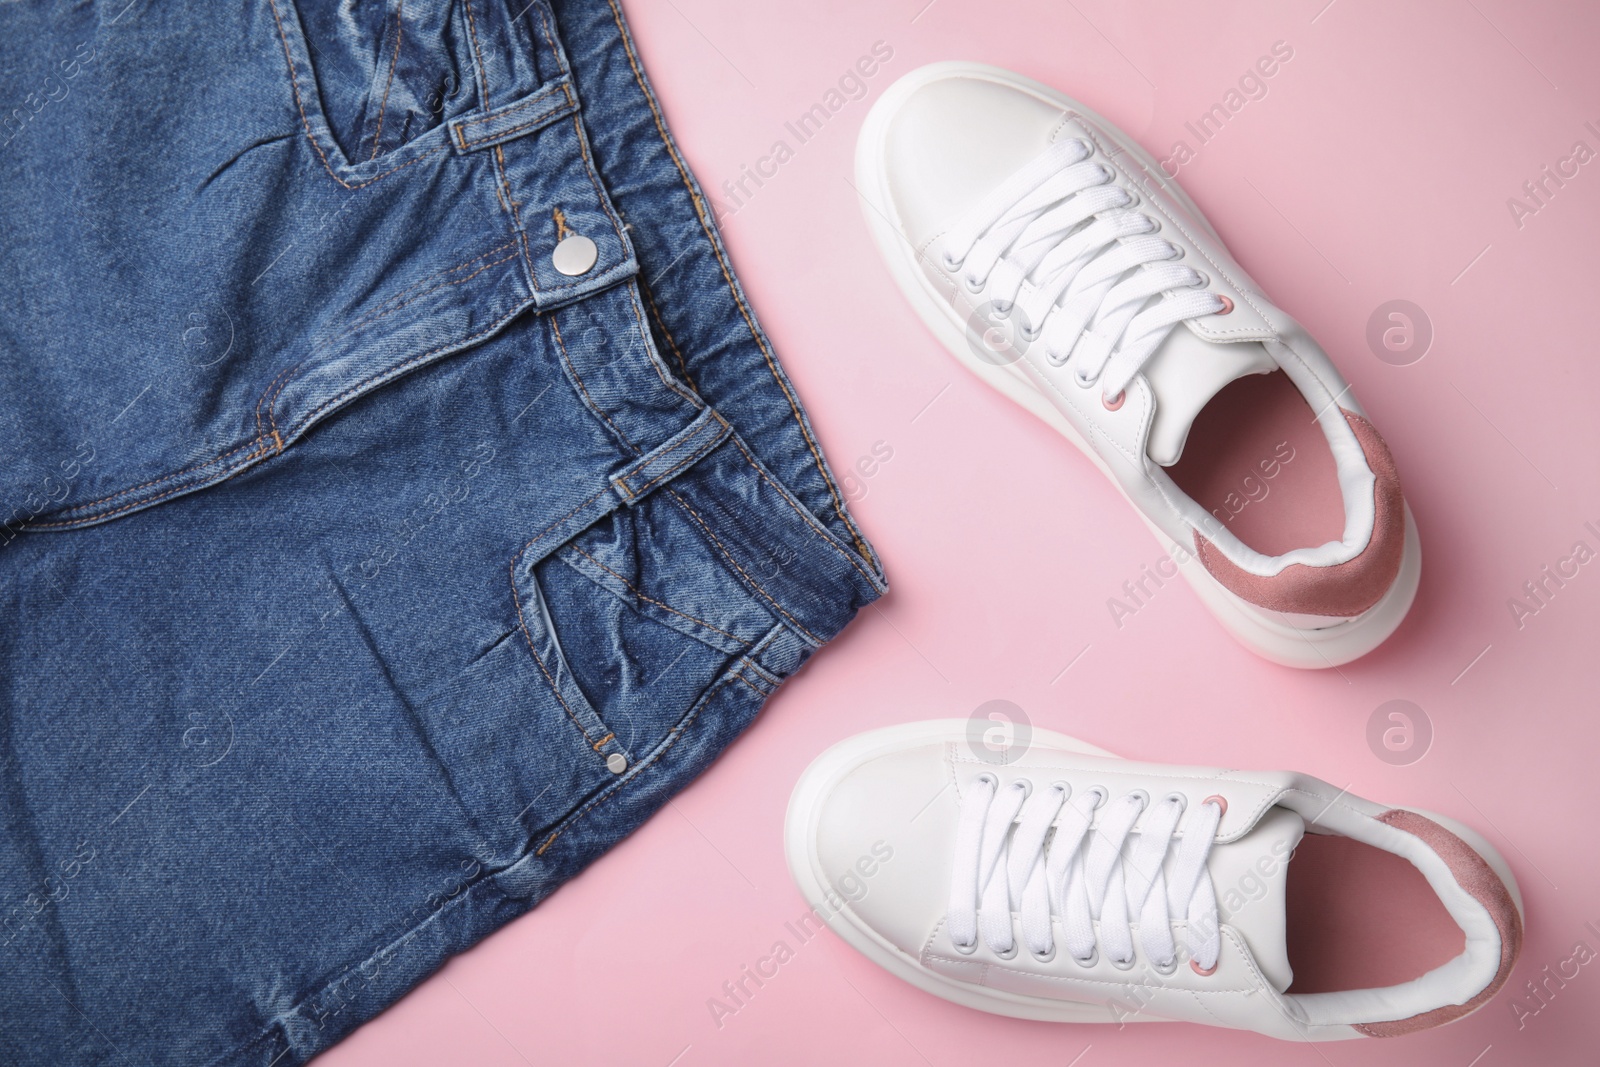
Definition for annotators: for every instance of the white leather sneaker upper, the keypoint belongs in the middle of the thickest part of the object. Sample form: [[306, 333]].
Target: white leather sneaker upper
[[1077, 887], [1041, 242]]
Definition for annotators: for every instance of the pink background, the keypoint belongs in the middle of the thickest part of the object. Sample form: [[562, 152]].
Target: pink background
[[1377, 167]]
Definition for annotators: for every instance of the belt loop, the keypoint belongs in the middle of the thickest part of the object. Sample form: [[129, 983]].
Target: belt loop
[[552, 101], [678, 454]]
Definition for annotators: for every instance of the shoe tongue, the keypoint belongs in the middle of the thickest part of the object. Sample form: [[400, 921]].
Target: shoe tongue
[[1250, 876], [1185, 372]]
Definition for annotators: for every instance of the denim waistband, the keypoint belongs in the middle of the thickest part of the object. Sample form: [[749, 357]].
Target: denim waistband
[[404, 229]]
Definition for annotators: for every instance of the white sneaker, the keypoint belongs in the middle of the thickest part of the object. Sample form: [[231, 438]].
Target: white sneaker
[[1057, 260], [1068, 885]]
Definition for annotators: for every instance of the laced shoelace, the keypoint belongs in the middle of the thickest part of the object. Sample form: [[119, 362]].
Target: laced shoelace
[[1103, 291], [1080, 875]]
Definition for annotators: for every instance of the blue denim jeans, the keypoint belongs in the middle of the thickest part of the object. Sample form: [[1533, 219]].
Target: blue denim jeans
[[364, 576]]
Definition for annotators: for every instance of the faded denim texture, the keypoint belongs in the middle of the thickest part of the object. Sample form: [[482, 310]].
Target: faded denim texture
[[363, 576]]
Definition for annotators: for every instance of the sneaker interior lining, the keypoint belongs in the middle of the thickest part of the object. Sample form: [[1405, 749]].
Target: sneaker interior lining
[[1259, 463], [1359, 917]]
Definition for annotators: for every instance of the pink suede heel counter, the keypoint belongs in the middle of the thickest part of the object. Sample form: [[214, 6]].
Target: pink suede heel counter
[[1346, 589], [1472, 873]]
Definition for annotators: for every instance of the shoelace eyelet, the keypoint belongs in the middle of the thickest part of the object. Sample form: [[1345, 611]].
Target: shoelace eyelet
[[1115, 402], [1227, 305], [1204, 973], [1043, 957], [1090, 960], [965, 950], [973, 285], [1201, 279], [1219, 801], [951, 263], [1183, 801], [1009, 954], [1169, 968], [1123, 965]]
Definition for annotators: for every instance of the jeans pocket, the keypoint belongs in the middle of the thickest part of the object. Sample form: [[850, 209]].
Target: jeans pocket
[[374, 80], [630, 622]]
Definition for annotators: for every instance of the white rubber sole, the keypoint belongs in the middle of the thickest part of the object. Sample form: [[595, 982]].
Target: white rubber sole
[[1268, 637], [800, 827]]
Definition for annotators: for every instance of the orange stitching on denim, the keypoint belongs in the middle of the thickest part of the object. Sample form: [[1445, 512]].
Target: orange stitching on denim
[[394, 61], [798, 510], [426, 292], [505, 135], [256, 443], [695, 454], [360, 324], [498, 187], [544, 28], [410, 292], [683, 364], [689, 459], [575, 377], [735, 564], [656, 364], [766, 677], [699, 206], [598, 745], [559, 217], [749, 685], [588, 169], [672, 739], [397, 368], [414, 296], [642, 596], [305, 122], [505, 181], [516, 214], [266, 392], [477, 56], [522, 623], [272, 405], [577, 126], [141, 503], [540, 536], [536, 98], [281, 380]]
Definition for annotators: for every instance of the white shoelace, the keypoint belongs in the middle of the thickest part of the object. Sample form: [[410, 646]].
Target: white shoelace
[[1080, 875], [1092, 263]]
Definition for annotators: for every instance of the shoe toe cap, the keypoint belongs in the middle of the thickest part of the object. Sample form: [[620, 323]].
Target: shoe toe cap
[[955, 137], [881, 845]]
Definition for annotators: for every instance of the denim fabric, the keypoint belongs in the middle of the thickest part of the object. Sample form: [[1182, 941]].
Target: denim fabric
[[363, 576]]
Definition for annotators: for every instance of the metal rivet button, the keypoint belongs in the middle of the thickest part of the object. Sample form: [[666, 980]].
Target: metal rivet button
[[574, 255], [616, 763]]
